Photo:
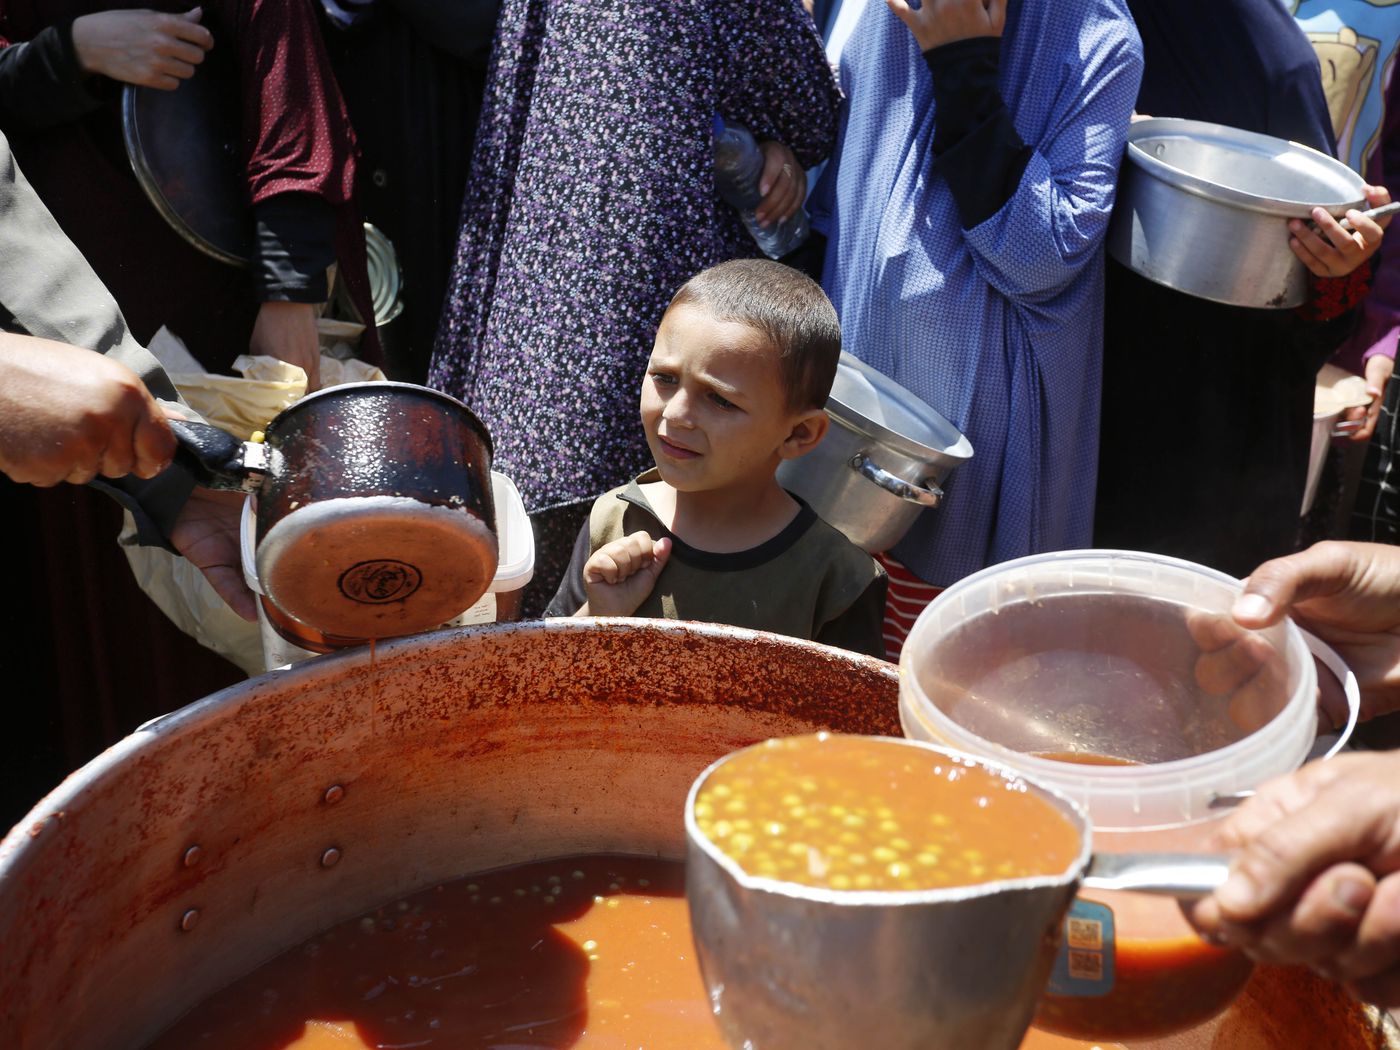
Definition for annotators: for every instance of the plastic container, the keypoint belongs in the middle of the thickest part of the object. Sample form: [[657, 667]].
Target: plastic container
[[515, 568], [1120, 680], [738, 169]]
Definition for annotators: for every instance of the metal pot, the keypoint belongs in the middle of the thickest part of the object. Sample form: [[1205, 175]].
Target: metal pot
[[1204, 209], [218, 836], [185, 149], [882, 462], [225, 833], [375, 515], [796, 967]]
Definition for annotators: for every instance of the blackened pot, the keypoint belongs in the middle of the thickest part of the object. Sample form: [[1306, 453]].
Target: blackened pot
[[374, 512]]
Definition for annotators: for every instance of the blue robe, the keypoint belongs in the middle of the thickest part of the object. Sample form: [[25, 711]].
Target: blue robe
[[999, 327]]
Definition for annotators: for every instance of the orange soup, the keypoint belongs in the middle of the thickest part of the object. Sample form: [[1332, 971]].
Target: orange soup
[[1161, 984], [587, 953], [861, 813]]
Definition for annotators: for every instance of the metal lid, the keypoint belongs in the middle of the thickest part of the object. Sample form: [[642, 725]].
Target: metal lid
[[1243, 168], [184, 148], [385, 277], [872, 404]]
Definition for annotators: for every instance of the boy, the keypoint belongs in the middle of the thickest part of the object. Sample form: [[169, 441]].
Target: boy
[[743, 363]]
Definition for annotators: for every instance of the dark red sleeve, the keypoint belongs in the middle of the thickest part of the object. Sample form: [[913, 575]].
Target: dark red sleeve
[[297, 136]]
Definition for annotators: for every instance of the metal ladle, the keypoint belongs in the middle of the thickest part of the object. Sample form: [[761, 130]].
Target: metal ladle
[[792, 967]]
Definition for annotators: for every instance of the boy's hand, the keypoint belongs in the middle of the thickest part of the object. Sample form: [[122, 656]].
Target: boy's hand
[[620, 575], [939, 22]]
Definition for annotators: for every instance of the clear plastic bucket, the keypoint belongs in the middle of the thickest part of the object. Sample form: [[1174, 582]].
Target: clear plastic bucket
[[1120, 680]]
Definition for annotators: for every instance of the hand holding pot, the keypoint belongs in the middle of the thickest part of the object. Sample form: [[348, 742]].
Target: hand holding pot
[[1316, 880], [148, 48], [207, 534], [1331, 250], [69, 414]]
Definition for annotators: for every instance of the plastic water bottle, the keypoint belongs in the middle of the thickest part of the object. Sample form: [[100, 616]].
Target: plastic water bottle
[[738, 169]]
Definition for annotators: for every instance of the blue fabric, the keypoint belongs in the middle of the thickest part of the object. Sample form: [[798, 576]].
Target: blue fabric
[[1000, 327]]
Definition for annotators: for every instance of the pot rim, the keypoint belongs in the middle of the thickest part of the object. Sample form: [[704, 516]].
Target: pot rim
[[389, 385], [1072, 875], [841, 413], [1197, 186]]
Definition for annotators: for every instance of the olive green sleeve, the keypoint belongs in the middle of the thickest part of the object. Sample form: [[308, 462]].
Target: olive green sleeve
[[48, 290]]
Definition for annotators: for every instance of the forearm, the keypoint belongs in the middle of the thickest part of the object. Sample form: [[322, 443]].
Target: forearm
[[294, 246], [976, 148], [42, 83], [1052, 227], [786, 92]]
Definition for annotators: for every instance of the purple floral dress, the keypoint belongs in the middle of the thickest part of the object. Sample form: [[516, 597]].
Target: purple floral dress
[[591, 200]]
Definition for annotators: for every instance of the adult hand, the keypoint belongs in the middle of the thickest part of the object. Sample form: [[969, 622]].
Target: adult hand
[[148, 48], [287, 331], [783, 184], [1378, 371], [619, 575], [1348, 594], [68, 414], [1316, 877], [1330, 250], [207, 534], [939, 22]]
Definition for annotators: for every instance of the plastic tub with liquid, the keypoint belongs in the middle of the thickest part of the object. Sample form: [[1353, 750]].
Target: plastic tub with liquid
[[1120, 680]]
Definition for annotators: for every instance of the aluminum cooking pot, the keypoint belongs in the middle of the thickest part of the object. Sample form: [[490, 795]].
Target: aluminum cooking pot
[[883, 461], [1204, 209], [374, 507], [216, 837]]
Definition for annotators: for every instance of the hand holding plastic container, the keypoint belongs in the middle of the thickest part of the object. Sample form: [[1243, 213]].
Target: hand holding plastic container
[[738, 169]]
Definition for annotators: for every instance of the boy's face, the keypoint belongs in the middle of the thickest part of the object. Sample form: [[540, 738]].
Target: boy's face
[[714, 406]]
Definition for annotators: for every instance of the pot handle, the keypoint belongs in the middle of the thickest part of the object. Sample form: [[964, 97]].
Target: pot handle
[[1185, 876], [867, 468], [217, 459]]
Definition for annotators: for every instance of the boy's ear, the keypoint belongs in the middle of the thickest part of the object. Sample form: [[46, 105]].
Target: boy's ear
[[808, 429]]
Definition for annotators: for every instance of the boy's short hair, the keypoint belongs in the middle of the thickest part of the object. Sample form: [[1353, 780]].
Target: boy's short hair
[[791, 311]]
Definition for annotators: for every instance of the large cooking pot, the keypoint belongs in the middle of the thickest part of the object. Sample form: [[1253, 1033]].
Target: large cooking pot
[[374, 508], [220, 835], [1204, 209], [883, 461]]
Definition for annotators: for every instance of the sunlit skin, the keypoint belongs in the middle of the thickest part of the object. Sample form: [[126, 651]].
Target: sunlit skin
[[718, 421]]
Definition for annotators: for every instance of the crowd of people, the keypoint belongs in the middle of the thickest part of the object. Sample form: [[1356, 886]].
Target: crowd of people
[[572, 275]]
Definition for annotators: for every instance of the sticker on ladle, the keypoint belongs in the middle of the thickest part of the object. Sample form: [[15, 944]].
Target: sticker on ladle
[[1084, 963]]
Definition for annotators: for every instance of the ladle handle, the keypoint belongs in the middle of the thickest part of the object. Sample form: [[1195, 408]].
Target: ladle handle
[[216, 458], [1186, 876], [1384, 211]]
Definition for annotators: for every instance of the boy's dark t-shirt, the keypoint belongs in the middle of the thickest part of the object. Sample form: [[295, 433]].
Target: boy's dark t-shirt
[[808, 581]]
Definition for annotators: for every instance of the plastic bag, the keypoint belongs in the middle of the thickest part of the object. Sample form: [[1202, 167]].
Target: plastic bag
[[240, 406]]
